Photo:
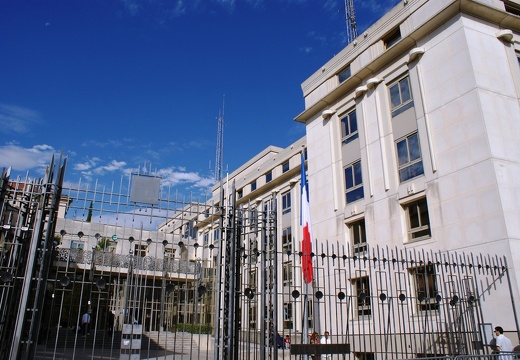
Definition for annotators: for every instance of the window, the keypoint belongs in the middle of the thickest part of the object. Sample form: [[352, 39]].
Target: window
[[409, 157], [349, 128], [252, 316], [253, 250], [169, 253], [74, 244], [418, 220], [426, 288], [344, 74], [253, 216], [253, 186], [287, 316], [205, 238], [362, 286], [287, 273], [400, 96], [268, 176], [512, 8], [285, 166], [354, 182], [286, 240], [286, 203], [392, 38], [216, 234], [140, 250], [252, 279], [240, 194], [358, 237]]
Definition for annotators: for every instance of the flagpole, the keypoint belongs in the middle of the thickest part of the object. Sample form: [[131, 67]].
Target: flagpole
[[306, 246]]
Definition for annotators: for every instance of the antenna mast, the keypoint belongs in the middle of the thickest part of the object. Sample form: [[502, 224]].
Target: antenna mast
[[220, 143], [350, 18]]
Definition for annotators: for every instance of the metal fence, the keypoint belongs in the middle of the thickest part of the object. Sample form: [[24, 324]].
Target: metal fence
[[243, 296]]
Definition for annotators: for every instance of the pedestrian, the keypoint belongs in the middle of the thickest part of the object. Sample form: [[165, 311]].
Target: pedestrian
[[110, 321], [85, 323], [325, 339], [503, 345], [287, 342], [314, 338]]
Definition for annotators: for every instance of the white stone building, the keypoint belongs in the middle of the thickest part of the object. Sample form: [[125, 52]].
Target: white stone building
[[413, 133]]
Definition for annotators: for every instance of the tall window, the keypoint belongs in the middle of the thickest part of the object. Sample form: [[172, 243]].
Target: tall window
[[269, 176], [285, 166], [286, 203], [418, 220], [287, 316], [344, 74], [216, 234], [286, 240], [362, 286], [425, 287], [253, 186], [358, 237], [354, 182], [140, 250], [400, 96], [349, 128], [287, 273], [409, 157]]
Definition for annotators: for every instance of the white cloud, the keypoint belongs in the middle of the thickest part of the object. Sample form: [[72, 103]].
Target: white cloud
[[21, 159], [111, 167], [16, 119], [172, 177]]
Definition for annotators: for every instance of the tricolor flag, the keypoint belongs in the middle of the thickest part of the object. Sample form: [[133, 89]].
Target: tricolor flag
[[305, 222]]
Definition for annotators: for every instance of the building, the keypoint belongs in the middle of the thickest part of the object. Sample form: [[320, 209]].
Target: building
[[413, 137]]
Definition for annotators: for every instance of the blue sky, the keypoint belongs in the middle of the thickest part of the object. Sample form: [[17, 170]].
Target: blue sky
[[118, 86]]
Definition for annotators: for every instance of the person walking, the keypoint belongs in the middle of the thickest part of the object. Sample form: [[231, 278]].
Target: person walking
[[85, 323], [503, 345], [325, 339]]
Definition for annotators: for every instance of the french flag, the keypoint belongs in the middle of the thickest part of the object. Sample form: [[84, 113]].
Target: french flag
[[305, 222]]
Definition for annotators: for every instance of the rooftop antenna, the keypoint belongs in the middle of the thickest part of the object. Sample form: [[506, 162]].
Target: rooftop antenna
[[220, 143], [350, 18]]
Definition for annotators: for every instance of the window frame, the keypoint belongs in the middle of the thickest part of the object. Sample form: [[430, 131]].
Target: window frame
[[287, 240], [287, 277], [346, 121], [77, 244], [286, 202], [398, 108], [285, 167], [404, 169], [358, 237], [268, 176], [361, 285], [392, 38], [345, 74], [288, 315], [424, 230], [356, 186], [426, 288], [140, 250], [253, 185]]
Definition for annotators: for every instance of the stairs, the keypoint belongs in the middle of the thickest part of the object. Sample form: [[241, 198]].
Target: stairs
[[100, 343]]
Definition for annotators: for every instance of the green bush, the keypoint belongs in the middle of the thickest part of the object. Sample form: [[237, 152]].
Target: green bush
[[194, 328]]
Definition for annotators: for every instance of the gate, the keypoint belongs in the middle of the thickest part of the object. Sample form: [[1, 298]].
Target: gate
[[161, 277]]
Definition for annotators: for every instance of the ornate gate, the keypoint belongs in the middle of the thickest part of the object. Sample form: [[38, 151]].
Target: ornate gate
[[166, 278]]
